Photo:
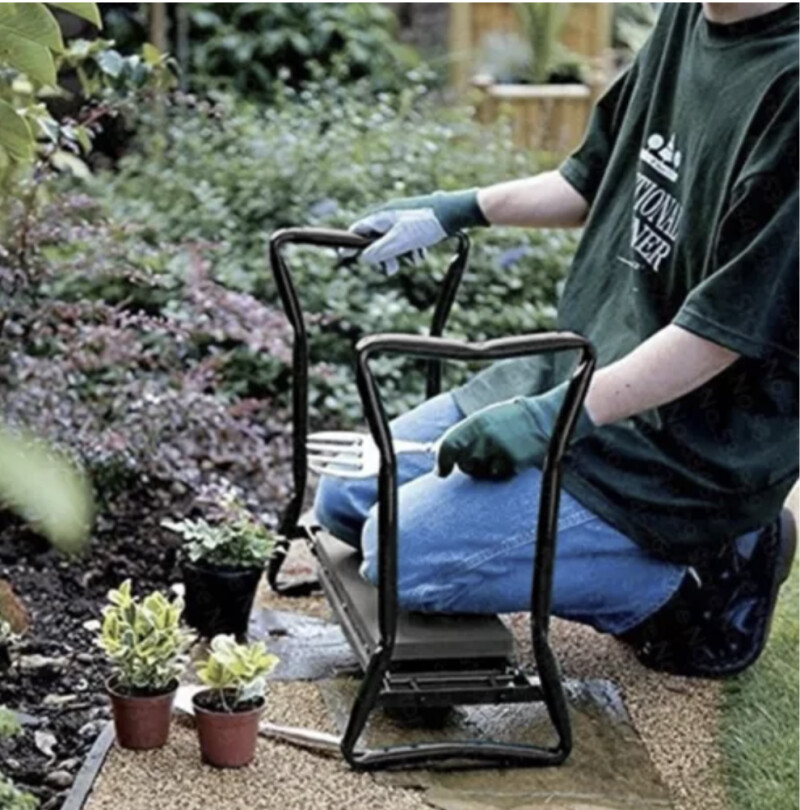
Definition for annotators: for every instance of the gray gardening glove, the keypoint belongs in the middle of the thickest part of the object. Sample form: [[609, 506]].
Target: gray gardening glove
[[409, 226]]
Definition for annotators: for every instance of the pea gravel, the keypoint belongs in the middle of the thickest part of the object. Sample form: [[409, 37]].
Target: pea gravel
[[280, 778]]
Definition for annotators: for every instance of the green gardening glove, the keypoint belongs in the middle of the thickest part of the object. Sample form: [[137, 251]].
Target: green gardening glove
[[499, 441]]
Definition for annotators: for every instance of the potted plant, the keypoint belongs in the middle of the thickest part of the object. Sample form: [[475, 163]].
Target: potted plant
[[228, 712], [146, 645], [221, 566]]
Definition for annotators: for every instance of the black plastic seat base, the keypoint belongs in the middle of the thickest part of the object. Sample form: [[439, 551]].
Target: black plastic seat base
[[460, 641]]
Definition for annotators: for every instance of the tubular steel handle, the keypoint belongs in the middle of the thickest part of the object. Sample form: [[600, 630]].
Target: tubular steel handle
[[326, 237], [541, 586]]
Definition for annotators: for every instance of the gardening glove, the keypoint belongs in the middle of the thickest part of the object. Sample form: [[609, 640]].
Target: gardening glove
[[499, 441], [410, 225]]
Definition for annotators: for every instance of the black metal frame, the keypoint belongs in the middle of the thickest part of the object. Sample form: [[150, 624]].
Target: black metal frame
[[377, 676], [323, 237]]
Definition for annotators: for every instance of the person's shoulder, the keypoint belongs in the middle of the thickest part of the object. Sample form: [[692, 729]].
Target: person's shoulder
[[774, 127], [782, 45]]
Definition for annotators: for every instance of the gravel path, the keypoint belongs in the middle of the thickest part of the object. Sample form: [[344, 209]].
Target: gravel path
[[281, 777], [676, 717]]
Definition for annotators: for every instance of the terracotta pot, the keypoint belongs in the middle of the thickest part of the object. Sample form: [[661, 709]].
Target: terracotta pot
[[227, 739], [219, 599], [141, 723]]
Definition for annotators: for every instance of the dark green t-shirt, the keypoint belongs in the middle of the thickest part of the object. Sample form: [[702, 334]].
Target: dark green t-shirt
[[690, 166]]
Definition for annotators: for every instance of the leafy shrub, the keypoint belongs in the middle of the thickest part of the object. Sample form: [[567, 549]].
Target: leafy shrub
[[30, 39], [228, 176], [33, 59], [236, 672], [550, 59], [240, 542], [11, 798], [114, 348], [250, 48], [144, 640]]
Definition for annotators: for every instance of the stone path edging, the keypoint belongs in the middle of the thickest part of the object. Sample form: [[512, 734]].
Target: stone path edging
[[84, 781]]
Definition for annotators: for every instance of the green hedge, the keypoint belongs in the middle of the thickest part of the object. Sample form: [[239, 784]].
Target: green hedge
[[224, 178]]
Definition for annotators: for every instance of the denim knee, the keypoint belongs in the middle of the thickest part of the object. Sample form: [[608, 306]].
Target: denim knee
[[419, 586], [369, 546], [337, 507]]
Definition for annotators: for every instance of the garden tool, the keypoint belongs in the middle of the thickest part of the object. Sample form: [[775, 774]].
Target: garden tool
[[347, 454]]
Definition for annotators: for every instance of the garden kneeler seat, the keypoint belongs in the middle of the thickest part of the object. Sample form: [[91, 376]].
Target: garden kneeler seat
[[418, 661]]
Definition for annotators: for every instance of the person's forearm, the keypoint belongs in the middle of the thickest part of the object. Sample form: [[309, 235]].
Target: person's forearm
[[544, 201], [668, 365]]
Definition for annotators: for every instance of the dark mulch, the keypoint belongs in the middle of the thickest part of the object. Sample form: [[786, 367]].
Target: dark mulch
[[58, 672]]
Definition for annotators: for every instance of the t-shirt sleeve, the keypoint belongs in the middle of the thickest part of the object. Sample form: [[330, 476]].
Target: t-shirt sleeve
[[585, 167], [749, 302]]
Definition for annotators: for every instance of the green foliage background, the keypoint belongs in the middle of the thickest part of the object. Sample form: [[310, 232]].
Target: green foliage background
[[220, 179]]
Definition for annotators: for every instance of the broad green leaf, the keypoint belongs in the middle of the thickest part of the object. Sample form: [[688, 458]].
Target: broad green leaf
[[15, 137], [49, 127], [44, 489], [111, 63], [28, 57], [86, 11], [151, 54], [67, 162], [31, 21], [84, 138]]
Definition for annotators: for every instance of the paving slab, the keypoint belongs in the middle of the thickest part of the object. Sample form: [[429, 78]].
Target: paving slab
[[309, 648], [609, 768]]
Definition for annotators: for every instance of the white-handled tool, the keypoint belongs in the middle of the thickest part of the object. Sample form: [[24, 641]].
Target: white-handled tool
[[346, 454]]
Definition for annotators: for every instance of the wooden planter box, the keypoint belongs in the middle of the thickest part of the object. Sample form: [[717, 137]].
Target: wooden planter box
[[547, 117], [587, 31], [543, 117]]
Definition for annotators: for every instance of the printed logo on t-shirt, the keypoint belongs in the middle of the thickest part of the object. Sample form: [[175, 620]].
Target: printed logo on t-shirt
[[665, 158], [656, 210]]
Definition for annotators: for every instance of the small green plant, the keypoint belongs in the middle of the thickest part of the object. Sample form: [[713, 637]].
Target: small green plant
[[240, 542], [11, 798], [144, 640], [236, 673], [506, 57], [46, 490], [9, 725]]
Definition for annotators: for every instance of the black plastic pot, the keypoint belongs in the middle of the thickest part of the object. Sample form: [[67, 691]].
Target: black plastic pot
[[219, 599]]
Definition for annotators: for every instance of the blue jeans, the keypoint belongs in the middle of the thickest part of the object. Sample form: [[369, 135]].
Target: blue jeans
[[466, 546]]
